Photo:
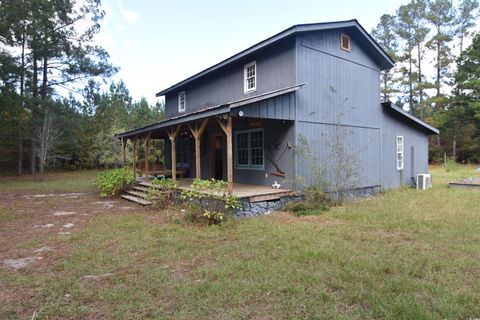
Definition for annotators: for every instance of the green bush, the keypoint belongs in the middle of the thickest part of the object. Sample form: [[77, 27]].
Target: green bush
[[162, 192], [112, 182], [209, 201], [315, 201]]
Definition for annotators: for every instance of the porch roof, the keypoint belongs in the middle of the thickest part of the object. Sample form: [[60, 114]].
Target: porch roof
[[207, 112], [409, 118]]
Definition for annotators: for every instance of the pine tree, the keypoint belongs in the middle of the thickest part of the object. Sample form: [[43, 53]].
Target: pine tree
[[385, 35], [467, 13]]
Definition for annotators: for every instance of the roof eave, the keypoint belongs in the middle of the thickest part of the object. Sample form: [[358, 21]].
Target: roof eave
[[424, 125]]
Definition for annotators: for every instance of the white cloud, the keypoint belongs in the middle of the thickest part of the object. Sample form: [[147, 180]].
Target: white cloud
[[129, 15]]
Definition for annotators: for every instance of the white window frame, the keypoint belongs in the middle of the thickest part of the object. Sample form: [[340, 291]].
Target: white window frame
[[180, 107], [249, 166], [245, 78], [349, 48], [400, 156]]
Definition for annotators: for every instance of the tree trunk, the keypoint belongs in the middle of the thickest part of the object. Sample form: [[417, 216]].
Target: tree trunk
[[410, 84], [420, 93], [44, 139], [437, 82], [22, 106], [34, 115]]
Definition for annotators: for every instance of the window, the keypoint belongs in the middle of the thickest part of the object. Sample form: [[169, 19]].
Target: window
[[345, 42], [182, 101], [249, 152], [399, 153], [182, 152], [250, 77]]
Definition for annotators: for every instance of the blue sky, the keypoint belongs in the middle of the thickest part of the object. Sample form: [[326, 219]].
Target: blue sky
[[159, 43]]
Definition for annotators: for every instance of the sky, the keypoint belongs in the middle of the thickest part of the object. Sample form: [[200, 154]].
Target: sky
[[159, 43]]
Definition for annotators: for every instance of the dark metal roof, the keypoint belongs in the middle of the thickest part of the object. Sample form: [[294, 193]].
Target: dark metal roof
[[385, 61], [411, 118], [207, 112]]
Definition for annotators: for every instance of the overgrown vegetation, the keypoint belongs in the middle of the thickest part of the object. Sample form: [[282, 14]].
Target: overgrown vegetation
[[314, 202], [209, 201], [112, 182], [161, 192]]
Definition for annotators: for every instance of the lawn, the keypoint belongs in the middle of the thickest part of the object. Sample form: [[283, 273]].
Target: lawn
[[405, 254]]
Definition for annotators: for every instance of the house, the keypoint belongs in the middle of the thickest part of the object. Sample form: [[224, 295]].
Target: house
[[299, 106]]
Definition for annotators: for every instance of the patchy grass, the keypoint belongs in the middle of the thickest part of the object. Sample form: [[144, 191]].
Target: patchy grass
[[69, 181], [405, 254]]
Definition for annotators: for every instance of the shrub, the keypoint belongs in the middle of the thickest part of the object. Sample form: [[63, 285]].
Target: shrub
[[315, 201], [451, 165], [209, 201], [162, 192], [112, 182]]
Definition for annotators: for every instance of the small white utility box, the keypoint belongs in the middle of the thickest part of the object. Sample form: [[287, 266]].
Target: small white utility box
[[424, 181]]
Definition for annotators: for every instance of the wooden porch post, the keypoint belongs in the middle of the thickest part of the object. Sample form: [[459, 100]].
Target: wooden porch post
[[227, 128], [172, 134], [134, 156], [197, 134], [145, 152], [124, 145]]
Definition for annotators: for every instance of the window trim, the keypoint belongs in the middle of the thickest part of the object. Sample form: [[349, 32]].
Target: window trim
[[245, 83], [349, 48], [399, 151], [249, 166], [180, 110]]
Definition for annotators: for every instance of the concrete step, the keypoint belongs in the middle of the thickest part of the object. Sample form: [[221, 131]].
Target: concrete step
[[140, 201]]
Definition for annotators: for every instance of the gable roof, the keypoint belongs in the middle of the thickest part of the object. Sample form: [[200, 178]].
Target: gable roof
[[385, 62], [411, 119]]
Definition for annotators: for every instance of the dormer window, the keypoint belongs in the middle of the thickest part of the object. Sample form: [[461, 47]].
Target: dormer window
[[250, 77], [345, 42], [182, 101]]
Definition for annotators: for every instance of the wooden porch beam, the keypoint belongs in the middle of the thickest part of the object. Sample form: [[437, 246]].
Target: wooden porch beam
[[197, 132], [227, 128], [172, 135]]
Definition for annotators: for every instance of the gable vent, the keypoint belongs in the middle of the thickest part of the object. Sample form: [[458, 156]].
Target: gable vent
[[345, 42]]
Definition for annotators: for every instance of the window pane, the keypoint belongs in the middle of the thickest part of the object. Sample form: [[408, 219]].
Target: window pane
[[257, 157], [242, 157], [256, 139], [242, 140]]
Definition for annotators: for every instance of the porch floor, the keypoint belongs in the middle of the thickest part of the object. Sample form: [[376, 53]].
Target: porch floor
[[254, 193]]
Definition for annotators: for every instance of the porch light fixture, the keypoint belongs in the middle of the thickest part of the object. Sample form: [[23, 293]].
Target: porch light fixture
[[240, 113]]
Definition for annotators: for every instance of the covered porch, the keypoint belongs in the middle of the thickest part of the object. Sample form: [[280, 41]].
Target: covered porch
[[249, 144]]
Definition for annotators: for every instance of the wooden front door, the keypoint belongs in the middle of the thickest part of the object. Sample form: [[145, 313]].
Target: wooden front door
[[216, 156]]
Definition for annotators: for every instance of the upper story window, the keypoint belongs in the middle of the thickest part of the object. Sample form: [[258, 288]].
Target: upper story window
[[249, 152], [399, 152], [250, 77], [182, 101], [345, 42]]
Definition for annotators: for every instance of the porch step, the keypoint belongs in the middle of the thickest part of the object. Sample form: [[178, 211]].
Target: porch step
[[140, 201], [137, 194], [140, 188]]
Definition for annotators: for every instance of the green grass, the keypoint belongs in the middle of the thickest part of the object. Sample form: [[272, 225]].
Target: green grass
[[69, 181], [405, 254]]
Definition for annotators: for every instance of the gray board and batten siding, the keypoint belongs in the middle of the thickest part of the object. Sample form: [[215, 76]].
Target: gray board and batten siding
[[341, 97]]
